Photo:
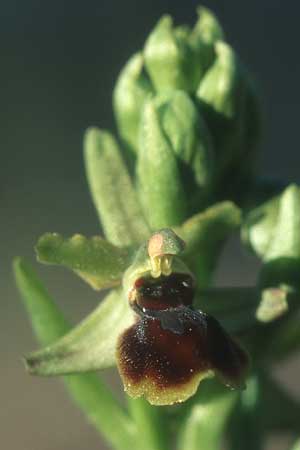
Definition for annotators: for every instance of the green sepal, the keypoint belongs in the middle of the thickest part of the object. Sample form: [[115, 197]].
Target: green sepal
[[171, 60], [97, 261], [87, 390], [90, 345], [112, 190], [272, 232], [204, 235], [159, 181], [203, 425], [131, 90]]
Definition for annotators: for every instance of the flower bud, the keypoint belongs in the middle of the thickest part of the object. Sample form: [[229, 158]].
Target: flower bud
[[272, 232], [229, 104], [171, 60], [206, 32], [132, 88], [175, 161]]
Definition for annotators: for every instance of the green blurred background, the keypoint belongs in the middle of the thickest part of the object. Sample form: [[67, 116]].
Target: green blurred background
[[59, 61]]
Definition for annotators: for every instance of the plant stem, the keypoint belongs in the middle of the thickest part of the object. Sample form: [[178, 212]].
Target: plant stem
[[151, 424], [205, 421]]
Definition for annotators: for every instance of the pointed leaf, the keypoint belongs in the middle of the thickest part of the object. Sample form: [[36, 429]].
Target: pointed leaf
[[97, 261], [87, 390], [89, 346], [112, 190], [204, 235]]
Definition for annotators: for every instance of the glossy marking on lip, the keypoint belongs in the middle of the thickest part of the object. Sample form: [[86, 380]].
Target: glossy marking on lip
[[164, 292], [171, 347]]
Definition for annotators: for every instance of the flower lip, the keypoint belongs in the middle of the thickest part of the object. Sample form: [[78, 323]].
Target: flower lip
[[171, 347], [166, 353]]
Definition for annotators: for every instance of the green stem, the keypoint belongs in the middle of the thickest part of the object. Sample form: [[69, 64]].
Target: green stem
[[204, 425], [151, 423], [88, 390], [247, 432]]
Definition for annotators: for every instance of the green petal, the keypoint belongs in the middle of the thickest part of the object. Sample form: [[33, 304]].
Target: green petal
[[112, 191], [87, 390], [90, 345], [131, 90], [97, 261], [204, 235]]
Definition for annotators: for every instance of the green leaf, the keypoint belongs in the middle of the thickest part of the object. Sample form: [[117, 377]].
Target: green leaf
[[158, 177], [97, 261], [130, 92], [112, 191], [204, 424], [87, 390], [204, 235], [90, 345]]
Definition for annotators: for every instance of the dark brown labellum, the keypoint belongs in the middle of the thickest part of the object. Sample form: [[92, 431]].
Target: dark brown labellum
[[171, 347]]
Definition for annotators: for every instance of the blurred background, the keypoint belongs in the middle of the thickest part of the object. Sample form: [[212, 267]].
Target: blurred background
[[58, 64]]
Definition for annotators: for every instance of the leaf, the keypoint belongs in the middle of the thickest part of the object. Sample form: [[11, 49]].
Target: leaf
[[204, 235], [112, 190], [97, 261], [87, 390], [204, 424], [90, 345]]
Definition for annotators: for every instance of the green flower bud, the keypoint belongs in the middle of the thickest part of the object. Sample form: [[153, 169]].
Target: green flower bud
[[272, 232], [174, 167], [131, 90], [206, 32], [229, 104], [171, 60], [158, 178]]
